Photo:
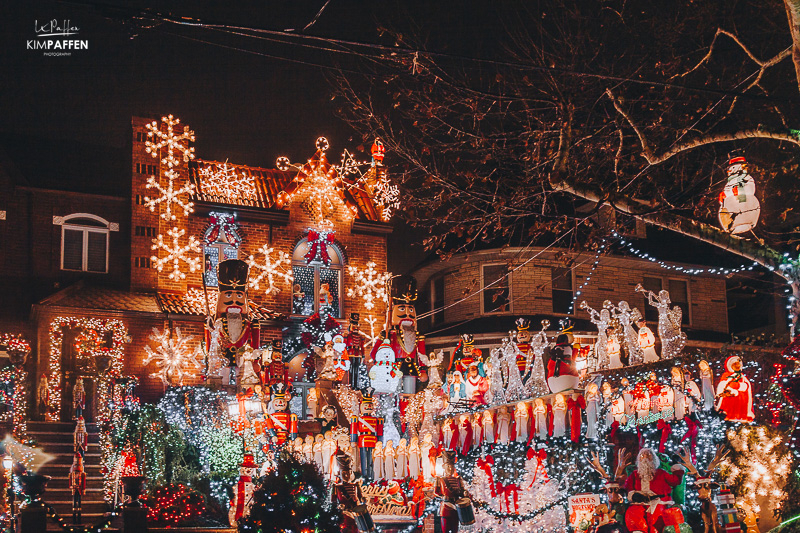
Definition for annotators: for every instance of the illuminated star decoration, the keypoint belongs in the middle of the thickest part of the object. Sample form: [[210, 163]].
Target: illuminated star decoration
[[370, 285], [176, 253], [224, 182], [270, 269], [172, 356], [173, 142]]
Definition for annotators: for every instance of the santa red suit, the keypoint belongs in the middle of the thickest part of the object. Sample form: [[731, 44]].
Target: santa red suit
[[477, 387], [735, 392], [650, 499]]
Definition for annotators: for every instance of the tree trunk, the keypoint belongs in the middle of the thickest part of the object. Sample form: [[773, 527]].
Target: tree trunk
[[793, 13]]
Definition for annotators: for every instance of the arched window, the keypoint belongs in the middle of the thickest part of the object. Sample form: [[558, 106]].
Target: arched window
[[221, 241], [84, 242], [315, 283]]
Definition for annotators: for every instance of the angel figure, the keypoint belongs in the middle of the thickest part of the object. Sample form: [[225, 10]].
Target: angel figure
[[669, 326], [627, 317], [602, 320], [536, 380], [515, 390], [496, 393], [328, 355], [434, 362]]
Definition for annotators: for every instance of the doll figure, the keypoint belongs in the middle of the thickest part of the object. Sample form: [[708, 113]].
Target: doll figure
[[707, 381], [503, 426], [627, 395], [540, 418], [389, 460], [297, 448], [679, 394], [669, 322], [401, 469], [592, 397], [735, 392], [449, 434], [414, 453], [694, 397], [521, 420], [559, 416], [601, 320]]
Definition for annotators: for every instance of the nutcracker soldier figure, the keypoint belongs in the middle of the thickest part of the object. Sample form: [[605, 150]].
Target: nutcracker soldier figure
[[281, 425], [77, 482], [401, 330], [346, 495], [354, 342], [465, 354], [450, 488], [524, 338], [365, 430], [231, 329], [274, 369]]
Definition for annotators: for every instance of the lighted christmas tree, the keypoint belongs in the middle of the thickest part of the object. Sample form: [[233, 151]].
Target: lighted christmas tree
[[291, 497]]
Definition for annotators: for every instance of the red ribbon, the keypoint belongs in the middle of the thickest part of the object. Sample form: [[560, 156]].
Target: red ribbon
[[318, 243], [485, 464], [666, 431], [692, 430], [505, 490], [541, 456]]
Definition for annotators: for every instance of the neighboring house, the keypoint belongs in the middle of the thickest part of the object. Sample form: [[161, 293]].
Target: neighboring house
[[545, 287], [85, 260]]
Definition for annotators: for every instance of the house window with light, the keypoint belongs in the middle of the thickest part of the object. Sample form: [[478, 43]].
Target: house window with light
[[317, 284], [221, 241], [84, 243], [496, 288]]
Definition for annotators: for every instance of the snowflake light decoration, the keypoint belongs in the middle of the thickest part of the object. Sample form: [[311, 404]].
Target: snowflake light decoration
[[157, 139], [176, 253], [172, 356], [225, 182], [270, 270], [370, 284], [387, 196], [169, 195]]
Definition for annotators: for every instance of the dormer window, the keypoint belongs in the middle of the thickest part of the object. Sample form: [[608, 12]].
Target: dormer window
[[316, 284], [84, 242]]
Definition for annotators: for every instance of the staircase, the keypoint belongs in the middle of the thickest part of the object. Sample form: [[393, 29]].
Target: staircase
[[56, 439]]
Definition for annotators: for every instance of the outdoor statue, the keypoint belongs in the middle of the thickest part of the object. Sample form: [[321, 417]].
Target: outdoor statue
[[626, 317], [523, 342], [274, 370], [601, 319], [535, 377], [456, 506], [401, 331], [242, 495], [465, 354], [739, 208], [365, 430], [477, 386], [647, 342], [347, 496], [281, 425], [355, 342], [561, 372], [669, 322], [231, 330], [735, 392], [650, 493]]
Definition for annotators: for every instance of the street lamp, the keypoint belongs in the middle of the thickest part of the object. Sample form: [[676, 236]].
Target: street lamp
[[8, 464]]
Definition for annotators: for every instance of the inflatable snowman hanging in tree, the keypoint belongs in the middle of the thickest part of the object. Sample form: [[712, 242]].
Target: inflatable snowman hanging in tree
[[384, 374], [739, 208]]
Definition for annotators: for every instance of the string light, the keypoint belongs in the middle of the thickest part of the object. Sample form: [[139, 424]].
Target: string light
[[224, 182], [176, 253], [588, 278], [173, 141], [370, 285], [172, 356], [169, 195], [270, 269]]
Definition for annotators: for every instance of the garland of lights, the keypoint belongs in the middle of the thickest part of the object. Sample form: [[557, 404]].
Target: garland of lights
[[588, 278], [18, 401], [56, 333]]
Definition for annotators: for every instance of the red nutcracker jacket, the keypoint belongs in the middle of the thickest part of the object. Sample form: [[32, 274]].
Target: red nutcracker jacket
[[276, 372], [522, 360], [354, 343], [282, 425], [399, 350], [251, 336], [365, 430]]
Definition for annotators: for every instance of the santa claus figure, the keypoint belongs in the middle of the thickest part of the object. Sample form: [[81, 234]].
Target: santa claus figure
[[231, 329], [562, 374], [476, 385], [735, 392], [243, 493], [401, 331], [649, 494]]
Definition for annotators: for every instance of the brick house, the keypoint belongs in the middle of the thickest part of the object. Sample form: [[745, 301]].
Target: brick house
[[90, 264], [544, 288]]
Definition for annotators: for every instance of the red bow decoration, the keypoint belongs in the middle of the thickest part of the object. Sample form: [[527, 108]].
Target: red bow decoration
[[692, 430], [666, 431], [506, 490], [318, 245], [612, 436], [541, 456], [485, 464]]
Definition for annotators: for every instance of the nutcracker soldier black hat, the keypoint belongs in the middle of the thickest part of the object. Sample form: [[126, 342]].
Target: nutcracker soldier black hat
[[355, 318], [367, 395], [280, 391], [467, 339], [523, 324], [404, 289], [232, 275]]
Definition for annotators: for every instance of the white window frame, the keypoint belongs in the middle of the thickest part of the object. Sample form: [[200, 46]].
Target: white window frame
[[316, 265], [665, 285], [510, 290], [65, 225], [573, 281]]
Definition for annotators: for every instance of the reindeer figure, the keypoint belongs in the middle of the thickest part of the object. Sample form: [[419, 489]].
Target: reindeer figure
[[705, 487], [613, 486]]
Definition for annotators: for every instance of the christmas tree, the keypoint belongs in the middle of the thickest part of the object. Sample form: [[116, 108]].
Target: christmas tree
[[293, 496]]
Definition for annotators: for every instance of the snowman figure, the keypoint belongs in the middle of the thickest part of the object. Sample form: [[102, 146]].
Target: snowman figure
[[738, 206], [384, 374]]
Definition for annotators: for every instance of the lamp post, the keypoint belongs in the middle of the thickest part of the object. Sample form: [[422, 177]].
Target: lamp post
[[8, 464]]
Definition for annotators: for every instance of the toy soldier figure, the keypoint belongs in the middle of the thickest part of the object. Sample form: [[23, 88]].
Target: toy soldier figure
[[281, 424], [450, 487], [365, 430], [401, 330], [465, 354], [275, 370], [231, 329], [523, 343], [347, 496], [77, 482], [355, 348]]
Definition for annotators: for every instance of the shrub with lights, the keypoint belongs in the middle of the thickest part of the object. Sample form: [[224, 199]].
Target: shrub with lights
[[174, 505], [293, 496]]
